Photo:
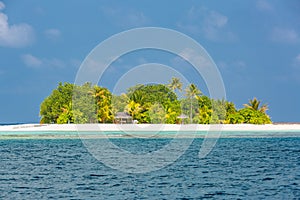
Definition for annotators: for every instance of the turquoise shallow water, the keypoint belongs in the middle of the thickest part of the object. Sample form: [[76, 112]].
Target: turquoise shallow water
[[5, 134], [145, 134], [237, 168]]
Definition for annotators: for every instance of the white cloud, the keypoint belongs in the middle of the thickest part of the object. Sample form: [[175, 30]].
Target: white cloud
[[125, 17], [31, 61], [2, 6], [264, 5], [211, 24], [16, 35], [285, 35], [35, 62], [52, 34], [214, 22], [216, 19]]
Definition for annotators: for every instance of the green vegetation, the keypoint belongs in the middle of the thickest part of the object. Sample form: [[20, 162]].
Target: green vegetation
[[153, 104], [70, 103]]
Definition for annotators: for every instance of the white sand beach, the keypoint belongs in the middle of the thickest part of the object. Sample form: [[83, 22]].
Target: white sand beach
[[149, 127], [91, 131]]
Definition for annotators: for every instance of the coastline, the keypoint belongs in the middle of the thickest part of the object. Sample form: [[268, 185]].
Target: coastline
[[91, 131], [149, 127]]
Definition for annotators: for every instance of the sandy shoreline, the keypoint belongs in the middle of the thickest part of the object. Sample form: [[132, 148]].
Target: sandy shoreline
[[148, 127], [91, 131]]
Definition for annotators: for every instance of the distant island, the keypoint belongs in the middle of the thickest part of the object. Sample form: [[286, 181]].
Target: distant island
[[152, 103]]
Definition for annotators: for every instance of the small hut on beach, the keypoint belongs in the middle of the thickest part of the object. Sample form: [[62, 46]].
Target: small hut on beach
[[123, 118]]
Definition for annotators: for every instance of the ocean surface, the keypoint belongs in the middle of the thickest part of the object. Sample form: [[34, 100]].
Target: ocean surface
[[236, 168]]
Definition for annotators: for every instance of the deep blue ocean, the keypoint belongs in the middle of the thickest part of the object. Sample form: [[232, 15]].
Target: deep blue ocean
[[236, 168]]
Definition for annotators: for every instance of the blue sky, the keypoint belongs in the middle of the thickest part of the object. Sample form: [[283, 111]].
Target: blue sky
[[255, 44]]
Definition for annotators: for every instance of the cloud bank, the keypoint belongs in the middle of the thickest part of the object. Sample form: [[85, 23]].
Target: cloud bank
[[16, 35]]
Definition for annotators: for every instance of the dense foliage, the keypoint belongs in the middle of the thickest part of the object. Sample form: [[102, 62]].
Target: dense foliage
[[155, 103], [70, 103]]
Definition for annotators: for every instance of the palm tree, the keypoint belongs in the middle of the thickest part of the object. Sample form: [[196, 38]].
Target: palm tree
[[133, 108], [103, 101], [191, 92], [254, 104], [175, 84], [137, 97], [264, 108]]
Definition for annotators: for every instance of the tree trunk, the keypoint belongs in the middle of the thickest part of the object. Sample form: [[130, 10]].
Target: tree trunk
[[191, 113]]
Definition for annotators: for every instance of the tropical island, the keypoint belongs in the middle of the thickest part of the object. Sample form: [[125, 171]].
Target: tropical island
[[146, 104], [144, 110]]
